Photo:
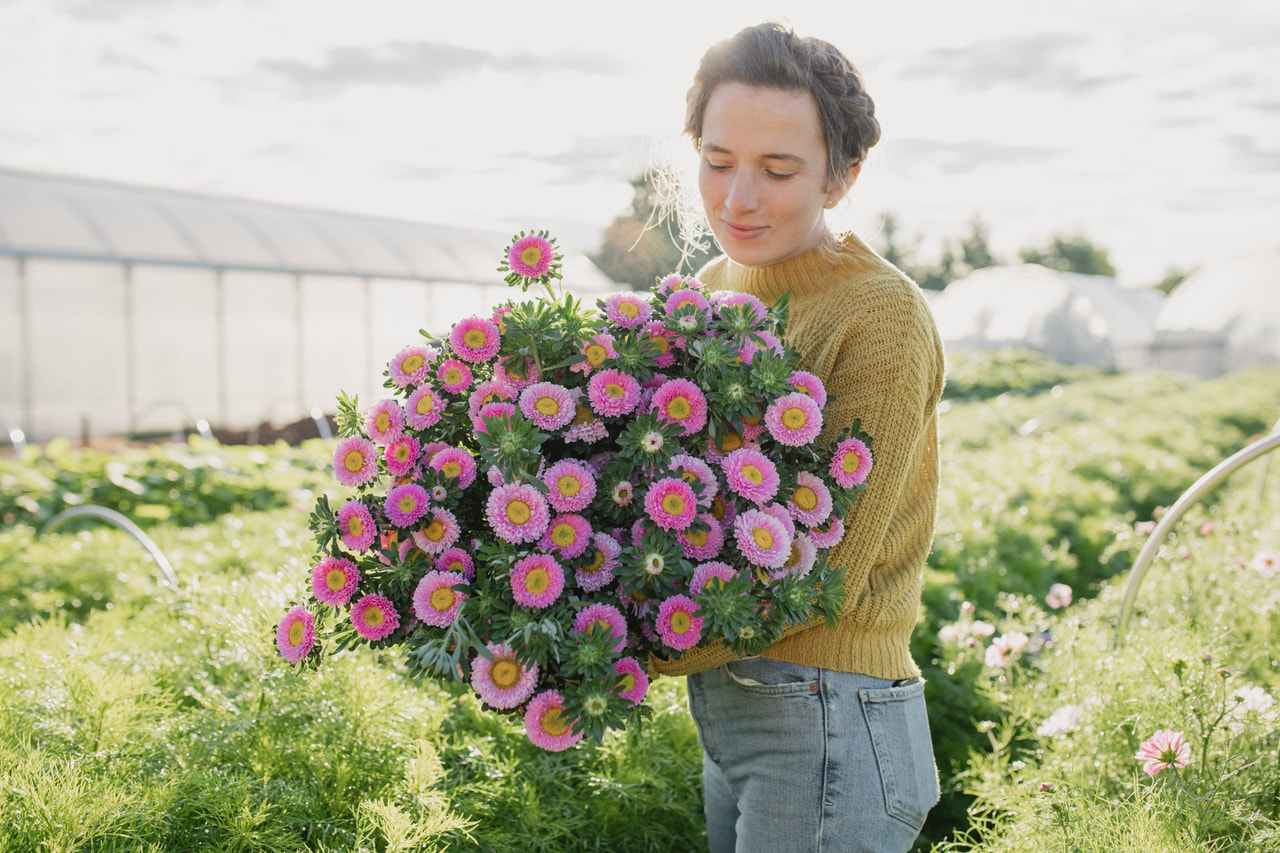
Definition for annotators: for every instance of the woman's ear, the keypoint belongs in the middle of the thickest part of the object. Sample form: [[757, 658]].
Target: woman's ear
[[840, 190]]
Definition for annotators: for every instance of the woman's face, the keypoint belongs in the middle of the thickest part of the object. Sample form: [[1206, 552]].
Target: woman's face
[[762, 173]]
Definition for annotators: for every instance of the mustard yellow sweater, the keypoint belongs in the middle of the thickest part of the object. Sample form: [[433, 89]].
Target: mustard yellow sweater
[[865, 330]]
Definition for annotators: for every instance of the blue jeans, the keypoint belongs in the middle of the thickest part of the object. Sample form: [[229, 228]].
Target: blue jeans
[[799, 759]]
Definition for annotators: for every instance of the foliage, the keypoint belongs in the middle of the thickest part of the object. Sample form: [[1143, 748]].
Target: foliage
[[957, 257], [981, 374], [1070, 253]]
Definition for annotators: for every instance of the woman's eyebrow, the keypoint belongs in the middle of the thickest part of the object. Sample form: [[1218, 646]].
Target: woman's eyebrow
[[719, 149]]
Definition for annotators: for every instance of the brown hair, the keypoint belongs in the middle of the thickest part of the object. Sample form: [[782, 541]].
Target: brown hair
[[770, 56]]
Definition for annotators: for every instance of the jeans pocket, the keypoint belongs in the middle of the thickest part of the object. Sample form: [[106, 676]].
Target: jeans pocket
[[899, 727], [767, 677]]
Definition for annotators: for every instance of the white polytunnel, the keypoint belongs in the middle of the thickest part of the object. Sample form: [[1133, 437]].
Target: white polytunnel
[[1070, 317], [126, 308]]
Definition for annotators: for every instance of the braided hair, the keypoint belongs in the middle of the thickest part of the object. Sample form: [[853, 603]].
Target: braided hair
[[770, 56]]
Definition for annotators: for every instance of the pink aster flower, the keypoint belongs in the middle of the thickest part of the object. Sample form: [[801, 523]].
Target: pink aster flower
[[793, 419], [828, 534], [517, 371], [598, 572], [851, 463], [1059, 596], [779, 512], [489, 391], [762, 539], [748, 347], [697, 473], [503, 681], [518, 513], [435, 601], [627, 310], [810, 502], [531, 257], [545, 724], [705, 573], [569, 534], [803, 556], [548, 405], [411, 366], [681, 402], [384, 421], [454, 376], [296, 634], [702, 544], [505, 411], [750, 474], [424, 408], [355, 461], [671, 503], [757, 310], [536, 581], [439, 533], [596, 349], [680, 298], [807, 383], [356, 529], [588, 432], [605, 615], [661, 341], [633, 681], [676, 624], [334, 580], [456, 560], [454, 463], [670, 284], [1163, 750], [613, 393], [401, 455], [406, 504], [475, 340], [570, 485], [499, 317], [622, 493], [375, 617]]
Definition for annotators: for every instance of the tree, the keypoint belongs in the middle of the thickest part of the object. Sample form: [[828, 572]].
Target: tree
[[637, 249], [1070, 253], [958, 258], [1173, 277]]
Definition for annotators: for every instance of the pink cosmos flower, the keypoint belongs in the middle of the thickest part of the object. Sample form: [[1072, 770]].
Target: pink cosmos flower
[[1266, 563], [807, 383], [504, 681], [296, 634], [671, 504], [1000, 652], [435, 601], [401, 455], [531, 257], [489, 391], [676, 624], [681, 402], [829, 534], [545, 724], [411, 366], [355, 461], [627, 310], [454, 463], [758, 311], [518, 513], [596, 349], [506, 411], [384, 421], [406, 504], [707, 572], [569, 534], [454, 376], [851, 463], [571, 485], [536, 581], [356, 529], [793, 419], [475, 340], [517, 371], [1059, 596], [548, 405], [633, 680], [762, 539], [613, 393], [680, 298], [439, 534], [750, 474], [334, 580], [456, 560], [597, 573], [1163, 750], [810, 501], [375, 617], [423, 408], [605, 615]]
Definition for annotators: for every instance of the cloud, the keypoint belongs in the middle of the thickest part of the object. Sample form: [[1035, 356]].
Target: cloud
[[1249, 156], [115, 10], [908, 153], [1040, 61], [421, 63]]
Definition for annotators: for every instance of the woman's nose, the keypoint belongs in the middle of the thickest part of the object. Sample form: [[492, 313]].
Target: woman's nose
[[742, 194]]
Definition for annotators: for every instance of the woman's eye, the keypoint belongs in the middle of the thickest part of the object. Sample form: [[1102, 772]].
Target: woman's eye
[[717, 167], [780, 176]]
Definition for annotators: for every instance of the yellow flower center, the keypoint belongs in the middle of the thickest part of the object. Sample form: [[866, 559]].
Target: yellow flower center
[[602, 624], [679, 409], [730, 442], [435, 530], [426, 404], [296, 632], [628, 682], [458, 566], [754, 420], [805, 498], [595, 564], [353, 461], [407, 503], [452, 376], [531, 256], [680, 622], [412, 364], [673, 504], [374, 616], [474, 338], [582, 414], [505, 673], [568, 485], [753, 474], [613, 390], [335, 579], [794, 557], [518, 512], [850, 462], [794, 418], [516, 371], [763, 538], [442, 598], [684, 302], [355, 526], [596, 355], [803, 390], [564, 535], [382, 421], [553, 722], [718, 508], [548, 406], [537, 581], [402, 453], [660, 343], [451, 469], [629, 309], [697, 538]]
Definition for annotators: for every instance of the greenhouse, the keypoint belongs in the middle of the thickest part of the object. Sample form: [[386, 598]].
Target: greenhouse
[[1070, 317], [129, 309]]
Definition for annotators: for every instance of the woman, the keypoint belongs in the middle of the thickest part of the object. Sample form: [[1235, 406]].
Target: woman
[[822, 742]]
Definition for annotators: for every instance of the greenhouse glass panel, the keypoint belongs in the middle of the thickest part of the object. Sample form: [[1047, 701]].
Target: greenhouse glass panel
[[35, 218], [335, 348], [262, 370], [175, 352], [11, 356], [221, 237], [131, 227], [359, 241]]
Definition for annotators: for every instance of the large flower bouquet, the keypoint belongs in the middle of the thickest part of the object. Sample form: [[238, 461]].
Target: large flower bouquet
[[553, 494]]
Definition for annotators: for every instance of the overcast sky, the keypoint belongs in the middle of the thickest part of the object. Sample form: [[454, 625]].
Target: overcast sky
[[1152, 127]]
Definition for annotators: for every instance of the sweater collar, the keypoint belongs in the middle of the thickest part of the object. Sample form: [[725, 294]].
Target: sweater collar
[[804, 275]]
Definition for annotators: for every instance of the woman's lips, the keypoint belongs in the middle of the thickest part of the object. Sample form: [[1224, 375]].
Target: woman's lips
[[743, 232]]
